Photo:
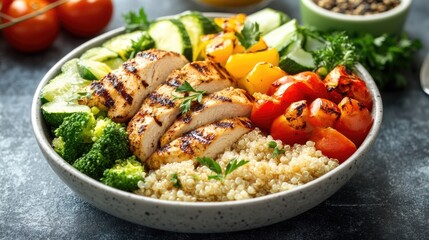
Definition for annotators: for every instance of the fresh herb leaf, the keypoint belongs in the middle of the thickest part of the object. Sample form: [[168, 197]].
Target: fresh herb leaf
[[136, 21], [210, 163], [145, 42], [176, 181], [339, 50], [276, 150], [215, 167], [249, 35], [191, 95], [233, 165]]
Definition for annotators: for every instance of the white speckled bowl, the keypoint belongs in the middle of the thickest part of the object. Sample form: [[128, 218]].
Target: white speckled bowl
[[198, 217]]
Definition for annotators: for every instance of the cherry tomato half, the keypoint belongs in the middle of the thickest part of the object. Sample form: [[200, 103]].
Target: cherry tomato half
[[85, 18], [323, 113], [276, 84], [292, 126], [315, 86], [34, 34], [332, 143], [290, 92], [355, 121]]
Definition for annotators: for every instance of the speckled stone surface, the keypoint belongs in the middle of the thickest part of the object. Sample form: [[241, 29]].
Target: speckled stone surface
[[388, 198]]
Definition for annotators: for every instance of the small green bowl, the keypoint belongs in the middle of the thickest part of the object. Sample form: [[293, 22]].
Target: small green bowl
[[391, 21]]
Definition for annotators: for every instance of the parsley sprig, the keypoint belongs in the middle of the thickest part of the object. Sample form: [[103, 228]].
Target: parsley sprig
[[176, 181], [249, 35], [276, 150], [215, 167], [143, 43], [136, 21], [191, 95]]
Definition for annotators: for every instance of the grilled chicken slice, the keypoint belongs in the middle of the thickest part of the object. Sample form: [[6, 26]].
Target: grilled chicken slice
[[227, 103], [123, 90], [208, 141], [159, 109]]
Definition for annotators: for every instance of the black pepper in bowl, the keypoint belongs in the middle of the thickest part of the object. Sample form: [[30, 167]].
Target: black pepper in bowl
[[358, 7]]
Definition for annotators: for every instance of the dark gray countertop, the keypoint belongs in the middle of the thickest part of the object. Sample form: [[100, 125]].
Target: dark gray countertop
[[388, 198]]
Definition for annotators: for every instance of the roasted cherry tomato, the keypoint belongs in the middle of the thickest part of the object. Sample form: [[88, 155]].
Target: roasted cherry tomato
[[341, 83], [34, 34], [355, 121], [264, 111], [276, 84], [323, 113], [332, 143], [289, 93], [315, 87], [85, 17], [292, 126]]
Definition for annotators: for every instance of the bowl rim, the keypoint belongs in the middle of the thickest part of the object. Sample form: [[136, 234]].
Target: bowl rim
[[403, 6], [42, 137]]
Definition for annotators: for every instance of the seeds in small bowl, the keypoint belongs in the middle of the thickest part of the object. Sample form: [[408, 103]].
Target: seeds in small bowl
[[358, 7]]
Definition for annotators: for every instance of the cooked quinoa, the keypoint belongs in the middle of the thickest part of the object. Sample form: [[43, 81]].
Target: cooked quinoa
[[262, 175]]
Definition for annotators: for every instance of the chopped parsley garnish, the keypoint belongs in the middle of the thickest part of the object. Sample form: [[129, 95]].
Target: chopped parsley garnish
[[136, 21], [215, 167], [176, 181], [191, 95], [249, 35], [276, 150]]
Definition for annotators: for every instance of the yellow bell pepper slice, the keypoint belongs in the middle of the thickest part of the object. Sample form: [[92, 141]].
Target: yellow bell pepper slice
[[232, 24], [219, 50], [240, 64], [261, 45], [261, 77]]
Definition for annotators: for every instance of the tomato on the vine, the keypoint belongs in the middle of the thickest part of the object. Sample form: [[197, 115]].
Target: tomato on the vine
[[34, 34], [85, 18]]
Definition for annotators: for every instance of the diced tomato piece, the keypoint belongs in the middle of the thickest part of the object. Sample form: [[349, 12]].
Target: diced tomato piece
[[333, 144], [292, 126], [355, 120], [323, 113], [265, 110]]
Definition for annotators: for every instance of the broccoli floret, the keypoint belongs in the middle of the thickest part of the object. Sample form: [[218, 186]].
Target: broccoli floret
[[110, 145], [74, 136], [124, 175]]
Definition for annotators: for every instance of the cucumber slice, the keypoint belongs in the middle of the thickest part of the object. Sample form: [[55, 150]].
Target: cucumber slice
[[114, 63], [99, 54], [70, 67], [281, 37], [313, 44], [64, 87], [268, 19], [92, 70], [122, 44], [297, 61], [55, 112], [197, 25], [171, 35]]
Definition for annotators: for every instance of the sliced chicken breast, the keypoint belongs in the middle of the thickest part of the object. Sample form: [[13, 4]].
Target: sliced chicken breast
[[123, 90], [227, 103], [208, 141], [160, 109]]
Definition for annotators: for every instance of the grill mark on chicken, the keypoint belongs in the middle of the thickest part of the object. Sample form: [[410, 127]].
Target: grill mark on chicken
[[175, 82], [129, 66], [247, 123], [224, 124], [203, 69], [158, 98], [119, 87], [185, 146], [100, 90], [222, 98], [187, 118], [147, 55]]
